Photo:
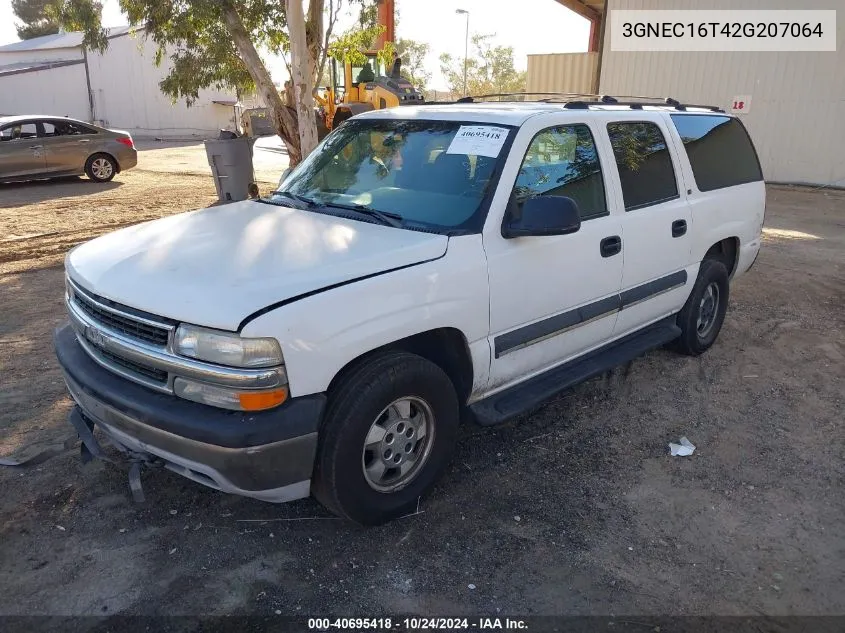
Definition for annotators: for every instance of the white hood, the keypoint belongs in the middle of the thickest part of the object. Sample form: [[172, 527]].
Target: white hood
[[216, 266]]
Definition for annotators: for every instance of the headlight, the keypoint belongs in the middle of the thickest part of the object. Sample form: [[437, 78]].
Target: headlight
[[225, 348]]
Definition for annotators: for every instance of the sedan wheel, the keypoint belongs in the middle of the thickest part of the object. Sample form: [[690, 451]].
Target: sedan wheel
[[100, 168]]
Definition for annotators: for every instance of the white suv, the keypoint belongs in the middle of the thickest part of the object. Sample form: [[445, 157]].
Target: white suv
[[424, 262]]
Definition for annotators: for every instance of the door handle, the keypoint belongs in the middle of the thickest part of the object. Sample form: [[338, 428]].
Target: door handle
[[610, 246], [679, 228]]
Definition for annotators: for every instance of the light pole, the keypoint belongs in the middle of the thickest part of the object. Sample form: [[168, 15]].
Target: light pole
[[466, 46]]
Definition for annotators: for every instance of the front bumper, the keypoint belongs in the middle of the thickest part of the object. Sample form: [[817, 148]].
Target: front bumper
[[267, 455]]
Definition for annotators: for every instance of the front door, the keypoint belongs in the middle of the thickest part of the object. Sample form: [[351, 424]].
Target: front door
[[21, 151], [553, 297], [657, 224], [67, 145]]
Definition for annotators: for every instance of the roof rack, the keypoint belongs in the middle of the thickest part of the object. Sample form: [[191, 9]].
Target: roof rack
[[581, 101]]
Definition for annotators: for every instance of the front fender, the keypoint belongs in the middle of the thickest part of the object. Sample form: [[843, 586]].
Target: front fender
[[322, 333]]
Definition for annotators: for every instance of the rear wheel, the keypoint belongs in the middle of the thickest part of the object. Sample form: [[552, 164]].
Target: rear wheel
[[389, 432], [100, 167], [702, 316]]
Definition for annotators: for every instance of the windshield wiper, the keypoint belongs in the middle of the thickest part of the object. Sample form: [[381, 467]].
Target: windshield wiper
[[294, 196], [385, 217]]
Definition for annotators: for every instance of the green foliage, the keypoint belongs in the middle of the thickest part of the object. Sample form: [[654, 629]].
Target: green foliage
[[200, 49], [82, 15], [350, 45], [36, 19], [413, 56], [193, 35], [490, 69]]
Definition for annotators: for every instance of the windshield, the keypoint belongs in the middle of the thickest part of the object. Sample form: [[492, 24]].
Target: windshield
[[433, 174]]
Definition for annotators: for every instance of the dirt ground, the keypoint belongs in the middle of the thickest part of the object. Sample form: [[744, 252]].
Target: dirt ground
[[577, 509], [269, 158]]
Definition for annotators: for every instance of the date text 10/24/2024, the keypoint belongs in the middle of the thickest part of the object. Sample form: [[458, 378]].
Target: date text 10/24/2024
[[417, 624]]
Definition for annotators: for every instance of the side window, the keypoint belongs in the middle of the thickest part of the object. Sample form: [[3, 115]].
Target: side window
[[719, 149], [644, 162], [75, 129], [18, 131], [50, 130], [562, 161]]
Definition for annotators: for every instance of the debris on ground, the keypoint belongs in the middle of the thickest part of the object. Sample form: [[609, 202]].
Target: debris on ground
[[682, 449]]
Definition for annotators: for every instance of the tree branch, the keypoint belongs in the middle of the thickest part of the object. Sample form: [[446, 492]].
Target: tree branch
[[284, 120]]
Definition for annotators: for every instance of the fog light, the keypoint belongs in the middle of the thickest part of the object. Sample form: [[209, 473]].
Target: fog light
[[229, 398]]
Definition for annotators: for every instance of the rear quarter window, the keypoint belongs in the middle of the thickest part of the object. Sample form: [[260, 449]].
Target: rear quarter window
[[719, 149]]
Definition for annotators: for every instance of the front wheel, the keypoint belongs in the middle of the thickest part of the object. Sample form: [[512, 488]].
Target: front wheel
[[389, 432], [100, 167], [702, 316]]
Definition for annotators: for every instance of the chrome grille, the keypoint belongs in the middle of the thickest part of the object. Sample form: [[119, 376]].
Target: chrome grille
[[135, 345], [118, 319]]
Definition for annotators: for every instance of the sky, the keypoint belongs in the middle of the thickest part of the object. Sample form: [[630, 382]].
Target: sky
[[529, 26]]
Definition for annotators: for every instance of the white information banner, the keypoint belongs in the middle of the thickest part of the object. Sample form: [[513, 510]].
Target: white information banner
[[478, 140], [726, 30]]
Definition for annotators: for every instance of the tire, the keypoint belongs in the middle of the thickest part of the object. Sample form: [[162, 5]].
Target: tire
[[100, 167], [702, 316], [396, 392]]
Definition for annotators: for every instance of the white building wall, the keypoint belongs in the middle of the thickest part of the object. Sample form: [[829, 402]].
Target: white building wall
[[56, 91], [797, 116], [125, 85]]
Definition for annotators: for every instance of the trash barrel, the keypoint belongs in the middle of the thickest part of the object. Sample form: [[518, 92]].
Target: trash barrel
[[230, 160]]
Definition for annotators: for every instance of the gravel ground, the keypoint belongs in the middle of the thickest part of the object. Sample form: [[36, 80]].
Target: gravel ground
[[576, 509]]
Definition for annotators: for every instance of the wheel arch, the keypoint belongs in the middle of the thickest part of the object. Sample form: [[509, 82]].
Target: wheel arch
[[446, 347], [725, 251]]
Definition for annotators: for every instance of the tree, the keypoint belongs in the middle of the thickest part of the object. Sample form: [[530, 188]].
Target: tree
[[304, 56], [35, 20], [413, 56], [216, 43], [490, 70]]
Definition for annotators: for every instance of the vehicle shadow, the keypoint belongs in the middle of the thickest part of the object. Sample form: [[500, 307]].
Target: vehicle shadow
[[16, 194]]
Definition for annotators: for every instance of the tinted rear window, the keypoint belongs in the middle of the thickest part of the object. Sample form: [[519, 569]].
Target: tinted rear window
[[719, 150], [645, 166]]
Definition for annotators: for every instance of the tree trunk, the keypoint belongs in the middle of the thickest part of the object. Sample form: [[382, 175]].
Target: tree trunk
[[314, 36], [303, 78], [284, 118]]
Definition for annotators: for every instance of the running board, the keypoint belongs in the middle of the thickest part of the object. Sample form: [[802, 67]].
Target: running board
[[525, 396]]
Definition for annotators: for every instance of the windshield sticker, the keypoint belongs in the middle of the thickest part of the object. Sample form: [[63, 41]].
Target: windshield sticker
[[478, 140]]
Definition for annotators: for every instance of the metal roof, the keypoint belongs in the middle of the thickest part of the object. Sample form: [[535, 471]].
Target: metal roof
[[26, 67], [72, 39], [589, 9]]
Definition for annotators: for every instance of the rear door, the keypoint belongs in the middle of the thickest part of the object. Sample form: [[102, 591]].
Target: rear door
[[21, 151], [67, 145], [552, 298], [656, 222]]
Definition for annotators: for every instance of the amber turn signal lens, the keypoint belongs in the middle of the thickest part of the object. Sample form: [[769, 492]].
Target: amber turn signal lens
[[258, 400]]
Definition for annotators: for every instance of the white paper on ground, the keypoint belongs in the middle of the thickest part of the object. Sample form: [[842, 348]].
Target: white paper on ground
[[478, 140], [683, 449]]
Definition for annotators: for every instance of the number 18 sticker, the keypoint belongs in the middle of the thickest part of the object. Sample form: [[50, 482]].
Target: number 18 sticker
[[741, 104]]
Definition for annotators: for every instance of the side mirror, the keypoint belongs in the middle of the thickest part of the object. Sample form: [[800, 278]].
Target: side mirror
[[543, 215], [285, 174]]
